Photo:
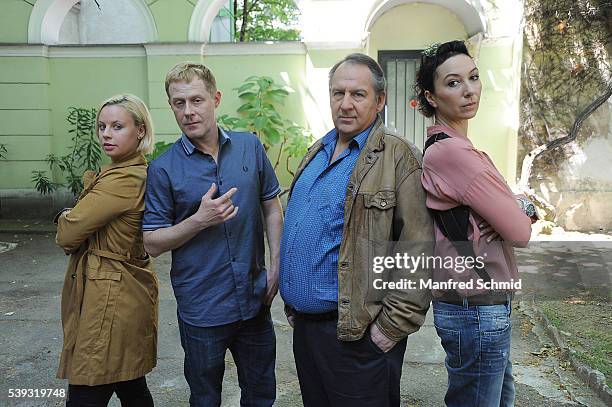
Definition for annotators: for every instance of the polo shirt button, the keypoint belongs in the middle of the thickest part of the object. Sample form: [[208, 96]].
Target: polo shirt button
[[220, 182], [233, 259]]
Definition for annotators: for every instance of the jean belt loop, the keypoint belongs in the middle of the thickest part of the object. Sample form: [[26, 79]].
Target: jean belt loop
[[466, 304]]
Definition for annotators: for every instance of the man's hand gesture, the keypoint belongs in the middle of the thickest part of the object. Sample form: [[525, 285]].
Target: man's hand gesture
[[218, 210]]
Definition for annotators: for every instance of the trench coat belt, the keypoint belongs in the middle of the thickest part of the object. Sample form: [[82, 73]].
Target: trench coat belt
[[109, 255]]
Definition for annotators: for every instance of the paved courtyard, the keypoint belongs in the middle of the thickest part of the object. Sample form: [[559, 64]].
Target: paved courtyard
[[31, 275]]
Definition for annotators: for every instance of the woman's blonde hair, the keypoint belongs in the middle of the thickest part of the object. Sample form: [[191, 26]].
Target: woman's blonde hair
[[139, 112]]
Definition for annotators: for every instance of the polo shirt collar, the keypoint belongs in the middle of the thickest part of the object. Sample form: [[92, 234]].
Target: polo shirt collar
[[190, 148]]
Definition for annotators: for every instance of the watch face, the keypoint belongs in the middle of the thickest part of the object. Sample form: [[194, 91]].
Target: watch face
[[527, 207]]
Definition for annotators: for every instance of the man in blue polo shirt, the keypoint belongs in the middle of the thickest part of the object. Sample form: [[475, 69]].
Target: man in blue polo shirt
[[204, 201]]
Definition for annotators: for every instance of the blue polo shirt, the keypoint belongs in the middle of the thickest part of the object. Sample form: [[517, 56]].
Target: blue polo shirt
[[218, 276], [312, 234]]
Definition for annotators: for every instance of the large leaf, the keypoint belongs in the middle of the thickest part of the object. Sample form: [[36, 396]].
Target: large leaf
[[248, 95], [260, 122], [273, 136], [245, 86]]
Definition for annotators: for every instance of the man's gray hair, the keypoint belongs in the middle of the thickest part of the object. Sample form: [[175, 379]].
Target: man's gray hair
[[378, 77]]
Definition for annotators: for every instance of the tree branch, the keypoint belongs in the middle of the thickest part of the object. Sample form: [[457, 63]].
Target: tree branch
[[253, 4], [280, 152], [551, 145]]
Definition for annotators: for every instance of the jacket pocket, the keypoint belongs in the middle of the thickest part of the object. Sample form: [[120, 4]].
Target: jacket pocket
[[378, 211], [382, 200], [100, 300], [379, 215]]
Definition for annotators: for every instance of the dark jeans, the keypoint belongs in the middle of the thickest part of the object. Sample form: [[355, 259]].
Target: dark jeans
[[253, 347], [338, 373], [477, 344], [132, 393]]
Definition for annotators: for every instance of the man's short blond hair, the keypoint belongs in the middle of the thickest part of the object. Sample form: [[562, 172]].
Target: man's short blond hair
[[139, 112], [188, 71]]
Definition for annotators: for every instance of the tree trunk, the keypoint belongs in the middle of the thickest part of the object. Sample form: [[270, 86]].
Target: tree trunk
[[235, 22], [524, 184], [245, 15]]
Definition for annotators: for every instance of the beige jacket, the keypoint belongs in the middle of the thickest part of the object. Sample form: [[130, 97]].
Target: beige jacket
[[109, 300], [385, 202]]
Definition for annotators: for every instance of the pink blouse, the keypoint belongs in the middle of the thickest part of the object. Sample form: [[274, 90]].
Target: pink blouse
[[456, 173]]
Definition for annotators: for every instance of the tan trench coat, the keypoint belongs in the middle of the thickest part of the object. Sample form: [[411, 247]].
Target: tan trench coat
[[109, 300]]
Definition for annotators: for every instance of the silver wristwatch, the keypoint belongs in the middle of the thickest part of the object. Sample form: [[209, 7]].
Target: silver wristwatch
[[527, 206]]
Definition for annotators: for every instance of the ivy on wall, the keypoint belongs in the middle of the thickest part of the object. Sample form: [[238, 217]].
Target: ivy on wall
[[566, 77]]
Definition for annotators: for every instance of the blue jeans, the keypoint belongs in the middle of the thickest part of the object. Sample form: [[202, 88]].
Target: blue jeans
[[253, 347], [477, 344]]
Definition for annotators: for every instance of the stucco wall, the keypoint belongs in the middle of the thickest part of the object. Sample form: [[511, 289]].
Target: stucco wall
[[39, 83]]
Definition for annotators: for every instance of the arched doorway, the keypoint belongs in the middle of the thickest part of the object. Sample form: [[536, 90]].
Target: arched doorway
[[397, 32], [50, 23]]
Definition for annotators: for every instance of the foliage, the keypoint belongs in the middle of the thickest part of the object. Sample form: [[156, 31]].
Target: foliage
[[43, 184], [568, 45], [263, 20], [259, 114], [160, 148], [3, 151], [566, 77], [83, 154]]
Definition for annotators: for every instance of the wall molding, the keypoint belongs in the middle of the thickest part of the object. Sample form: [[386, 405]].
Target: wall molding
[[97, 51], [254, 48], [24, 51], [143, 50]]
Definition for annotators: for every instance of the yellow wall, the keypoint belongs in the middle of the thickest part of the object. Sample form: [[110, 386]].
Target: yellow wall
[[494, 129], [414, 27]]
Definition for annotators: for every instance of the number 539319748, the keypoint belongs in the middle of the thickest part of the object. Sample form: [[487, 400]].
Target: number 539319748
[[36, 393]]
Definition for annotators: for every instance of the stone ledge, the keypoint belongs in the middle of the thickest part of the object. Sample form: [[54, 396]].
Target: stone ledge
[[592, 377]]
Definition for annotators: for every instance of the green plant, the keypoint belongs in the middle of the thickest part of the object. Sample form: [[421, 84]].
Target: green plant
[[255, 20], [83, 154], [160, 148], [3, 151], [43, 184], [259, 114]]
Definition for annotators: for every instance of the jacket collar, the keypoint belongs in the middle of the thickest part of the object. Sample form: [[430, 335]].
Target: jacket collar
[[376, 141], [136, 159]]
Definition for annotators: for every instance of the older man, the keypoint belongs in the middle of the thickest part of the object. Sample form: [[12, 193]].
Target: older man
[[359, 183], [204, 201]]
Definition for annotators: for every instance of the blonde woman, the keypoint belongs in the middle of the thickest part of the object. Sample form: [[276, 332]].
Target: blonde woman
[[109, 300]]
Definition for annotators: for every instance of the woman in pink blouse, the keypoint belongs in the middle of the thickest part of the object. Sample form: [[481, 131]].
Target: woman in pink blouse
[[478, 221]]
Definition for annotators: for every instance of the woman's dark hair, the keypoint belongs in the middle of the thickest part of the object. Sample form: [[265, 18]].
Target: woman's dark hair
[[431, 58]]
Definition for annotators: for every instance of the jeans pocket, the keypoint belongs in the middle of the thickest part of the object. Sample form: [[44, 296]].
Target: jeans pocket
[[494, 324], [451, 342], [495, 336]]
